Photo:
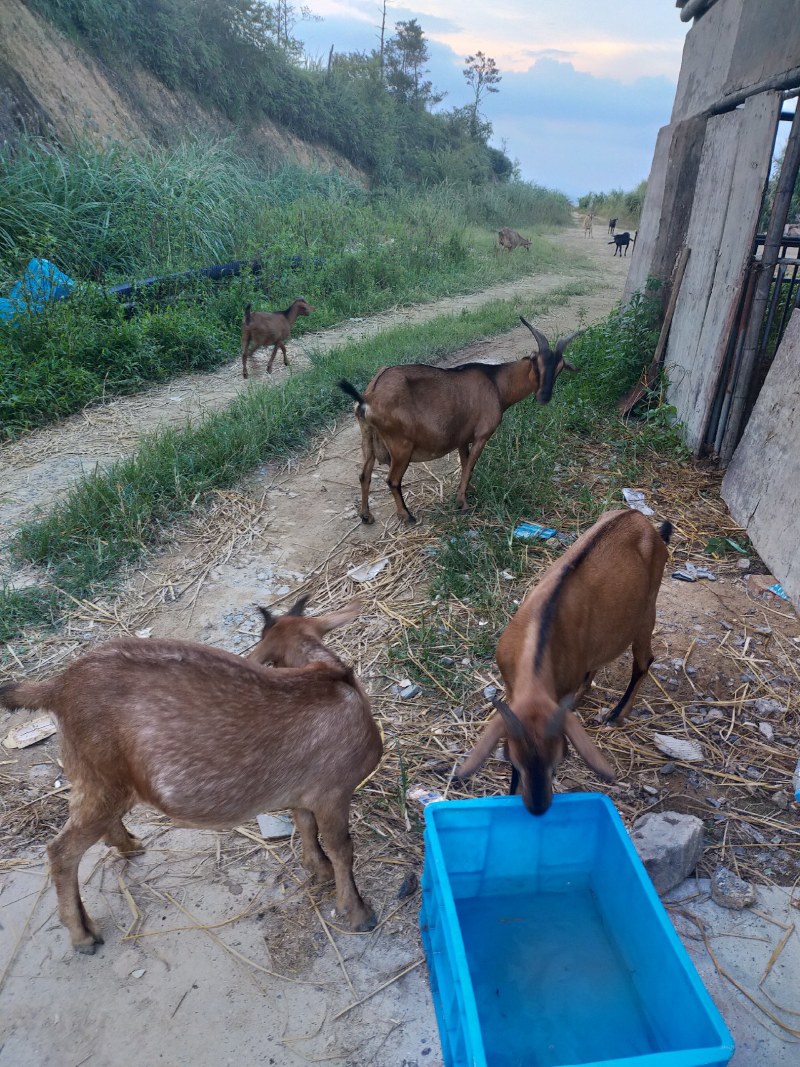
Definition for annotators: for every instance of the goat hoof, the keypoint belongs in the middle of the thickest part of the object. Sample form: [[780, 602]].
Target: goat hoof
[[367, 519], [369, 922], [410, 520], [88, 944]]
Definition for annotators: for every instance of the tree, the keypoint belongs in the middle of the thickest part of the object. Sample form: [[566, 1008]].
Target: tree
[[482, 75], [406, 56]]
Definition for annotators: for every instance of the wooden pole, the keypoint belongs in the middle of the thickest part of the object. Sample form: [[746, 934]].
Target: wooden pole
[[769, 257]]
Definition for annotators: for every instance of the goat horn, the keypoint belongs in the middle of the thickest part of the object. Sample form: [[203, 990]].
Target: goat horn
[[541, 340], [513, 725]]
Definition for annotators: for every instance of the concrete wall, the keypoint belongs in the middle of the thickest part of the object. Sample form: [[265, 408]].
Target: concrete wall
[[762, 483]]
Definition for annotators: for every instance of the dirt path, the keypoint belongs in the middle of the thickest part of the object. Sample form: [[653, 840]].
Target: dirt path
[[173, 983], [40, 466]]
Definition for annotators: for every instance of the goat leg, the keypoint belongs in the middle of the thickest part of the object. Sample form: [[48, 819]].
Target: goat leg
[[350, 908], [397, 469], [468, 461], [65, 852], [117, 836], [314, 859], [642, 658], [368, 451], [272, 358]]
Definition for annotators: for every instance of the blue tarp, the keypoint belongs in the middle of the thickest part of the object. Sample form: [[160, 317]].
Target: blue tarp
[[42, 281]]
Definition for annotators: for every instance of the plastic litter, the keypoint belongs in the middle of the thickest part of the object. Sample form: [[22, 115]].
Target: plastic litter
[[425, 796], [796, 782], [532, 531], [367, 571], [678, 748], [689, 573], [778, 590], [30, 733], [272, 826], [41, 283], [635, 499]]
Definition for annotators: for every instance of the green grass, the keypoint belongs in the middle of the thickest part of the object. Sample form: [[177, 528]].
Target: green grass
[[112, 516]]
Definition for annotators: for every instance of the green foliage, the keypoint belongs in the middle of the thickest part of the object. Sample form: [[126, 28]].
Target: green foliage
[[626, 207]]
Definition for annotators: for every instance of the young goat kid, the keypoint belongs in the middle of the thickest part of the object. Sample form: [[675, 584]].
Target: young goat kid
[[210, 739], [263, 328], [413, 413], [588, 607]]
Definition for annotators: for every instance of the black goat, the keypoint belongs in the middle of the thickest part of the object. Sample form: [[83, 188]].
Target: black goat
[[612, 223], [621, 240]]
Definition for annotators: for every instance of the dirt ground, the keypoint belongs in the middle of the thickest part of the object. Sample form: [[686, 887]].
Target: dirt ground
[[216, 949]]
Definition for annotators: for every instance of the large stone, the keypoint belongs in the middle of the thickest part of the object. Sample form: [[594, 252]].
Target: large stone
[[730, 891], [669, 845]]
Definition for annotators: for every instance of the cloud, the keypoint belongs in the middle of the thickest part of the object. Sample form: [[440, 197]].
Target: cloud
[[548, 53]]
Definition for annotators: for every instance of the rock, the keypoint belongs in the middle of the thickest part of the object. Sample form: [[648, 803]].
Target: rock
[[669, 845], [666, 768], [730, 891], [447, 661], [766, 706], [767, 729], [781, 799], [490, 692]]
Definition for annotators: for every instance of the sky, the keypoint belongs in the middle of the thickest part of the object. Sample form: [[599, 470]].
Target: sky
[[585, 85]]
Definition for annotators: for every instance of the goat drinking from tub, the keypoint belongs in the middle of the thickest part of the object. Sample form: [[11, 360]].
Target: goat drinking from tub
[[413, 413], [262, 328], [588, 607], [210, 739]]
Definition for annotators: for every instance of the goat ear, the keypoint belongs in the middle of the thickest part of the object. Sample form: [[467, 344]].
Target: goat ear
[[541, 340], [299, 607], [561, 344], [343, 617], [586, 748], [565, 363], [483, 747], [554, 727], [269, 618]]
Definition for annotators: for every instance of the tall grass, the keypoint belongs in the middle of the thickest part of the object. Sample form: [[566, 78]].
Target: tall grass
[[625, 207], [117, 214]]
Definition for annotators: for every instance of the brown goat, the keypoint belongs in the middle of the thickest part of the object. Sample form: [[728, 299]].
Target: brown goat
[[262, 328], [210, 739], [597, 599], [413, 413], [588, 224], [510, 239]]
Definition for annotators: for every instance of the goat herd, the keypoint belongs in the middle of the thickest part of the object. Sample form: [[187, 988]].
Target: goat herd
[[211, 739]]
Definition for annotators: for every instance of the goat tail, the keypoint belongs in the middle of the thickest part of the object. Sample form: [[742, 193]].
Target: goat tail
[[247, 314], [351, 390], [665, 531], [37, 696]]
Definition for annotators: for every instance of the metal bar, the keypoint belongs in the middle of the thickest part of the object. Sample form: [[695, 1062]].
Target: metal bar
[[772, 243]]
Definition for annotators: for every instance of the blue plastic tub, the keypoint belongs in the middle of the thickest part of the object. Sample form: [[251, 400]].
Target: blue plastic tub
[[547, 945]]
